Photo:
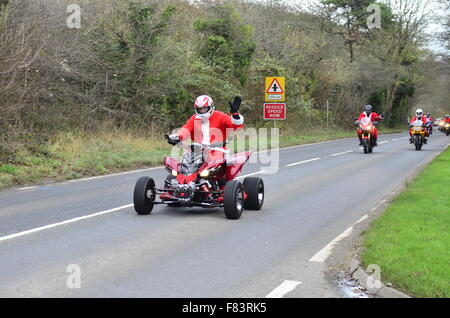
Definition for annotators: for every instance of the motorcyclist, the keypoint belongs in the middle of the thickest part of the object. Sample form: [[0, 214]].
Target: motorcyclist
[[421, 117], [209, 126], [372, 116], [447, 119], [430, 121]]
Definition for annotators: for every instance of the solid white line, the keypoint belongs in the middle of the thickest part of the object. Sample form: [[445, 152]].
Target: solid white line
[[301, 162], [323, 254], [285, 287], [46, 227], [28, 188], [112, 175], [251, 174], [341, 153], [383, 142]]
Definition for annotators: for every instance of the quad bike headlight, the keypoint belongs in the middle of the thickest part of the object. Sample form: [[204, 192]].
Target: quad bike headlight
[[204, 173], [174, 173]]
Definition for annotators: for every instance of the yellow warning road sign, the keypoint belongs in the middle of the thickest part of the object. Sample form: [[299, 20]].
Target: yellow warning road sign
[[275, 89]]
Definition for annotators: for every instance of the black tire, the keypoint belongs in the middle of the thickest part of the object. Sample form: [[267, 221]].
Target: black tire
[[166, 184], [233, 203], [365, 146], [417, 142], [143, 204], [254, 187]]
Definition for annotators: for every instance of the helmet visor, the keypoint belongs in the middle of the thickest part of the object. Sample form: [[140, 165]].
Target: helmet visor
[[202, 110], [419, 114]]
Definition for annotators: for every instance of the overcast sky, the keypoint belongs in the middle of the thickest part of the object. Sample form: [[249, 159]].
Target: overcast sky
[[432, 7]]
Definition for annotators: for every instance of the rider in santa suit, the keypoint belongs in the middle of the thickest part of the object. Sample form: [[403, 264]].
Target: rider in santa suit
[[209, 126]]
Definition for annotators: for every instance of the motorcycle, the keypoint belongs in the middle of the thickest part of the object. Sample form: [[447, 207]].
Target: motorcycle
[[367, 128], [446, 128], [429, 127], [417, 130], [198, 181]]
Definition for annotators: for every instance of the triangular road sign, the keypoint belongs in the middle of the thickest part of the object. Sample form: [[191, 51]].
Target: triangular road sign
[[275, 87]]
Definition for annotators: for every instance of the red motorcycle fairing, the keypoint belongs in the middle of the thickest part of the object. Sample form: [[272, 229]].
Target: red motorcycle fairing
[[235, 164], [171, 163]]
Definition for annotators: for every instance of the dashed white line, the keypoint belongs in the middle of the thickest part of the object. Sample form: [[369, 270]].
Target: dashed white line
[[284, 288], [251, 174], [50, 226], [302, 162], [341, 153]]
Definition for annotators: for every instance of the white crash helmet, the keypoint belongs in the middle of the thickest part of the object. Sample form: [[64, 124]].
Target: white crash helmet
[[419, 112], [204, 106]]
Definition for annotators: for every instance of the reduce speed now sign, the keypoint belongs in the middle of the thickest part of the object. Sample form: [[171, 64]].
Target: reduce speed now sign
[[274, 111]]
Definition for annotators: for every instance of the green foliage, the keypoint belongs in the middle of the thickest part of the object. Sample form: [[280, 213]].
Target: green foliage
[[229, 46]]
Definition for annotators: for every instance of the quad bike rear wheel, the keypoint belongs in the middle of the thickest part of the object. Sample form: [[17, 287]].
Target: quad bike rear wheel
[[144, 195], [254, 188]]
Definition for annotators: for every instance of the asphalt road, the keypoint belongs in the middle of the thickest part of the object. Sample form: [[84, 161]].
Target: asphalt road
[[90, 225]]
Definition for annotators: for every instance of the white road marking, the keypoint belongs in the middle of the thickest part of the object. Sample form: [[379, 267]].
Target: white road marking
[[28, 188], [50, 226], [301, 162], [341, 153], [362, 219], [112, 175], [285, 287], [323, 254], [383, 142], [251, 174]]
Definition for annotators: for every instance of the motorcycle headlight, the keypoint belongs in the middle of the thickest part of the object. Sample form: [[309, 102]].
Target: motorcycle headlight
[[174, 173], [447, 125]]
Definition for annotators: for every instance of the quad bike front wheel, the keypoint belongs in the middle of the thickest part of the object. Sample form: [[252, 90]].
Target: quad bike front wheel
[[254, 188], [233, 202], [144, 195]]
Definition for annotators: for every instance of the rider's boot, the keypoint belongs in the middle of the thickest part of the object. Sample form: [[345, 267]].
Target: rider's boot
[[411, 140], [360, 141], [375, 142], [425, 141]]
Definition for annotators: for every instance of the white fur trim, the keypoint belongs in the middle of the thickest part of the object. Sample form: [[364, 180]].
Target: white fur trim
[[239, 121]]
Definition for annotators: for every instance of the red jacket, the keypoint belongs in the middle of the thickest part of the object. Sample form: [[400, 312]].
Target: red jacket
[[373, 116], [210, 130], [423, 119], [447, 120]]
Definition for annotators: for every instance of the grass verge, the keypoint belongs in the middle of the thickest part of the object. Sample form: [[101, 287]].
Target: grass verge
[[75, 155], [411, 240]]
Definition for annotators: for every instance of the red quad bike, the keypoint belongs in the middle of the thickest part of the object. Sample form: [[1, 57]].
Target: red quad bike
[[195, 181], [367, 128]]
